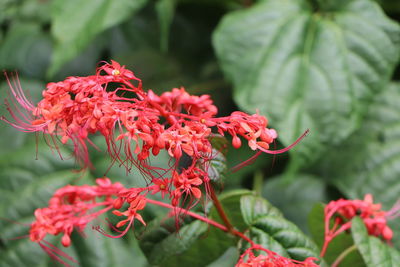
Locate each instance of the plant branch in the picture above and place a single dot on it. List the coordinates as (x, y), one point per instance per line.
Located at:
(220, 210)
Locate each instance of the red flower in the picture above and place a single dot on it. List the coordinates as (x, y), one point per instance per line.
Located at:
(271, 259)
(73, 207)
(343, 210)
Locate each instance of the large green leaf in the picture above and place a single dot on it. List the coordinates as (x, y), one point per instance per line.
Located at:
(374, 252)
(76, 23)
(308, 66)
(369, 161)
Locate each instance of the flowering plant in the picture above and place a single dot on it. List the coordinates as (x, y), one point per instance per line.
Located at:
(134, 122)
(160, 177)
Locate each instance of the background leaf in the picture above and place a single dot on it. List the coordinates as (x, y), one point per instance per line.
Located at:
(295, 199)
(307, 69)
(73, 27)
(370, 159)
(195, 244)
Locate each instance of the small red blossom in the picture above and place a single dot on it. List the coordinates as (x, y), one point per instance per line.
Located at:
(271, 259)
(343, 210)
(131, 213)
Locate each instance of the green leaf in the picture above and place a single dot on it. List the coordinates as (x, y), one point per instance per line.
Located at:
(338, 245)
(76, 23)
(308, 69)
(270, 229)
(369, 160)
(297, 198)
(374, 252)
(165, 11)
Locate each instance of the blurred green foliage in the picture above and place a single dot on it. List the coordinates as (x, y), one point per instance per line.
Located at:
(328, 66)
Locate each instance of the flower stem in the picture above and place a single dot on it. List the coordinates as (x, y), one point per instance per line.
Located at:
(184, 211)
(258, 182)
(220, 210)
(343, 255)
(204, 219)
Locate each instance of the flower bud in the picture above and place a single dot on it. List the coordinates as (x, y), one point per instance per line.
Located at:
(236, 142)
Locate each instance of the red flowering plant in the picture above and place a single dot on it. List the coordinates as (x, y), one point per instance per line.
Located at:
(136, 125)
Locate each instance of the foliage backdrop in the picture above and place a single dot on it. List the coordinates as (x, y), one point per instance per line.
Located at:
(328, 66)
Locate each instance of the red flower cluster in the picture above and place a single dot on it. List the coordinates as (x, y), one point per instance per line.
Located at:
(73, 207)
(271, 259)
(135, 123)
(343, 210)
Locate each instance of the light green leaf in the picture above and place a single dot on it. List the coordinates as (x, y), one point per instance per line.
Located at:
(374, 252)
(165, 11)
(76, 23)
(308, 69)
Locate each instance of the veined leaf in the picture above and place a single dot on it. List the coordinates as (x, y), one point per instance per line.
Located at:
(369, 160)
(308, 69)
(270, 229)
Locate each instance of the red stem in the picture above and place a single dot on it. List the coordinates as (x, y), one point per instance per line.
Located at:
(220, 210)
(201, 218)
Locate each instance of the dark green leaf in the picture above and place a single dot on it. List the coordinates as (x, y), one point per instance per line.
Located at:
(196, 244)
(374, 252)
(308, 69)
(27, 49)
